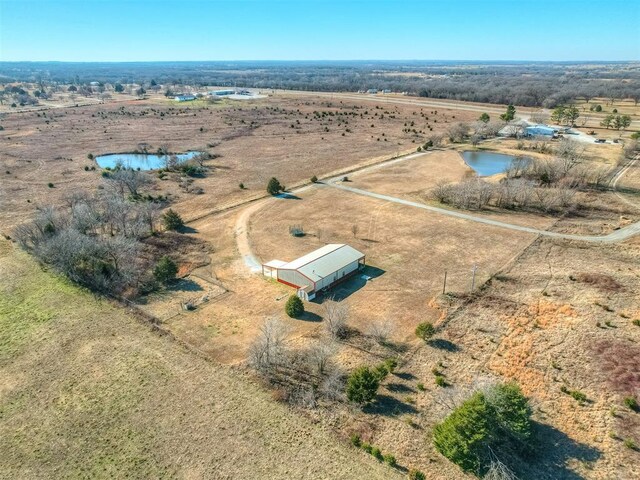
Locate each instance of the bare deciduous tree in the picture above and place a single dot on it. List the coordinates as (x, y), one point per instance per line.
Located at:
(268, 349)
(380, 330)
(333, 386)
(125, 180)
(319, 356)
(335, 318)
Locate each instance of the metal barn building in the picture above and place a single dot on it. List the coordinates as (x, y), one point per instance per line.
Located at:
(318, 270)
(540, 131)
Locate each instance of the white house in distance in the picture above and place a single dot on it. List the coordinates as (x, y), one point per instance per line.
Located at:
(318, 270)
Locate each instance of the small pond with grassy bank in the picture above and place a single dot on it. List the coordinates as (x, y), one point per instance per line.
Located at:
(143, 161)
(486, 163)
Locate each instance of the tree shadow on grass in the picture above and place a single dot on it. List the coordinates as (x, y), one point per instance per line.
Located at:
(553, 453)
(399, 388)
(389, 406)
(185, 285)
(310, 317)
(187, 229)
(442, 344)
(405, 375)
(288, 196)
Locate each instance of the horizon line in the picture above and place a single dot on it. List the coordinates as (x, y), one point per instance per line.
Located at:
(329, 60)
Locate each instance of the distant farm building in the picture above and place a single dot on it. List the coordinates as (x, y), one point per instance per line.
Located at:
(222, 93)
(372, 91)
(540, 131)
(318, 270)
(184, 98)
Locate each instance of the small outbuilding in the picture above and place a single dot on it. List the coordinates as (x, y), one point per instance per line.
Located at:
(184, 98)
(316, 271)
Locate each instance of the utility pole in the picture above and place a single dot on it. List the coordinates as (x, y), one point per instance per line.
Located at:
(444, 284)
(473, 277)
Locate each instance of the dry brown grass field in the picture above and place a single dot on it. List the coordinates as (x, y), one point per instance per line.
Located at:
(87, 391)
(276, 136)
(545, 313)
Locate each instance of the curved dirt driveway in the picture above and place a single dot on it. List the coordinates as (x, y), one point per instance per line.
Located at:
(253, 263)
(616, 236)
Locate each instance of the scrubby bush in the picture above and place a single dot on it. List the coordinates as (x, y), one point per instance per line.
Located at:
(314, 179)
(362, 385)
(631, 403)
(377, 454)
(425, 330)
(416, 475)
(165, 270)
(390, 460)
(381, 371)
(172, 220)
(294, 306)
(274, 187)
(440, 381)
(463, 435)
(355, 440)
(391, 364)
(578, 395)
(485, 423)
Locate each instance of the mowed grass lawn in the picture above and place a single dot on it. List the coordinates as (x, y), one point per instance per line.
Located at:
(87, 391)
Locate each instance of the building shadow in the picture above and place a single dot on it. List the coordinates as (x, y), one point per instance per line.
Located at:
(351, 285)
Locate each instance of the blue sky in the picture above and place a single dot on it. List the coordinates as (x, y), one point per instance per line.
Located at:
(141, 30)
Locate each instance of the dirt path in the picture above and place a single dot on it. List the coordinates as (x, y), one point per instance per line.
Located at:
(617, 178)
(241, 233)
(617, 236)
(254, 264)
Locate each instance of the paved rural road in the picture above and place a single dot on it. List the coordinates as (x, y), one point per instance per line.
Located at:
(616, 236)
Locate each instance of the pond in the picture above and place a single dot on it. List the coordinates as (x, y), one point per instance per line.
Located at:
(141, 161)
(486, 164)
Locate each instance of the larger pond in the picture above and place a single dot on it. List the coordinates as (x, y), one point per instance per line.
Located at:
(488, 163)
(141, 161)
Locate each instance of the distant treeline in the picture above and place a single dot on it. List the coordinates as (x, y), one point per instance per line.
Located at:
(532, 84)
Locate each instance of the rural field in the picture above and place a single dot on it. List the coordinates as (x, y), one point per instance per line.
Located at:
(110, 397)
(166, 353)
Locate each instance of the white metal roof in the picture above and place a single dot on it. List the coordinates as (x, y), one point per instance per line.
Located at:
(324, 261)
(275, 264)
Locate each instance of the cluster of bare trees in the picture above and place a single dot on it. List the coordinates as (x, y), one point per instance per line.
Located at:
(305, 375)
(475, 132)
(545, 185)
(513, 194)
(95, 240)
(302, 375)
